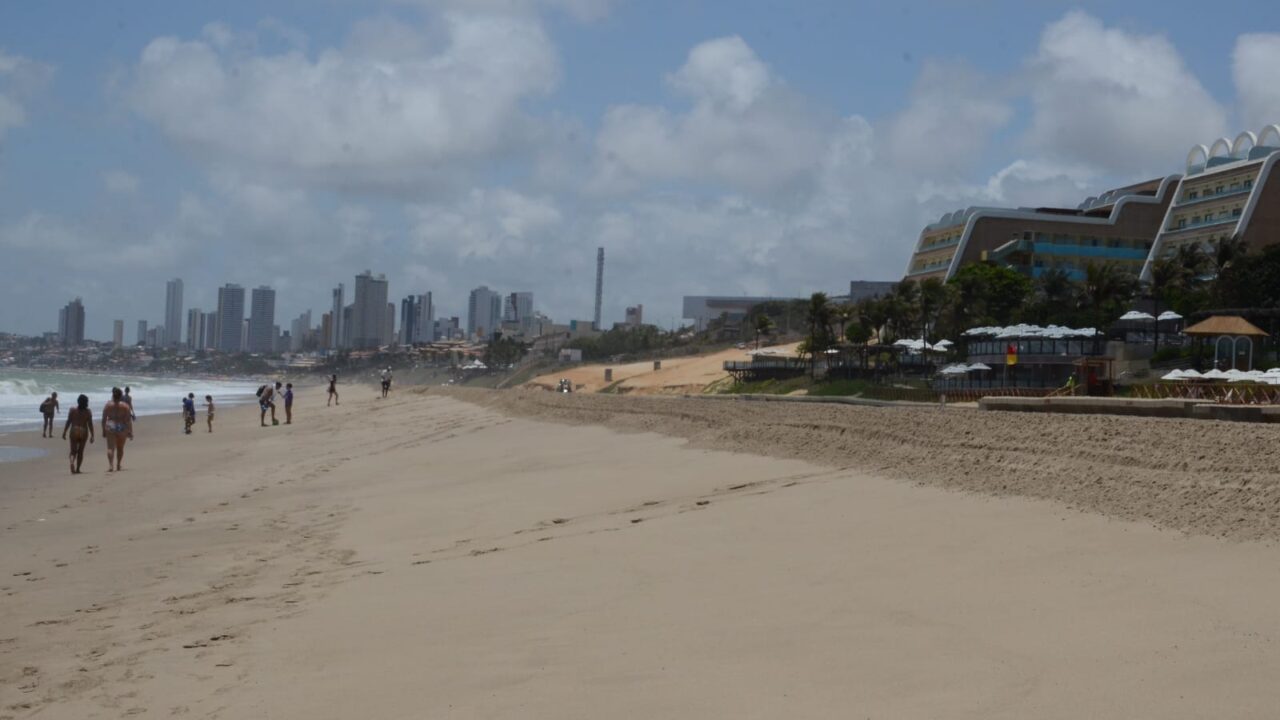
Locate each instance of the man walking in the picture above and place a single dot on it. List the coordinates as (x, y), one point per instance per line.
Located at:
(288, 404)
(48, 409)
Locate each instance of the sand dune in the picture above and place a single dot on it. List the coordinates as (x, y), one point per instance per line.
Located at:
(676, 376)
(460, 556)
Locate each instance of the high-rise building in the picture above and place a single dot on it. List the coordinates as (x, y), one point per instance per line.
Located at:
(635, 316)
(369, 312)
(417, 318)
(71, 323)
(173, 312)
(408, 313)
(153, 337)
(244, 335)
(326, 330)
(142, 332)
(117, 333)
(298, 331)
(230, 318)
(518, 308)
(195, 329)
(599, 285)
(262, 320)
(425, 320)
(484, 312)
(336, 336)
(210, 340)
(348, 312)
(389, 325)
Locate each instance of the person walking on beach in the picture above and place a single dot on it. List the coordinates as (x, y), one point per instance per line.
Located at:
(386, 382)
(188, 412)
(333, 391)
(48, 409)
(208, 403)
(117, 427)
(80, 423)
(288, 404)
(128, 400)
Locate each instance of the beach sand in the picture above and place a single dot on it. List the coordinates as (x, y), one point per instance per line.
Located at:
(527, 554)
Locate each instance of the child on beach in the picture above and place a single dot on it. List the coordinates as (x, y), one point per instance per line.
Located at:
(288, 404)
(208, 403)
(188, 412)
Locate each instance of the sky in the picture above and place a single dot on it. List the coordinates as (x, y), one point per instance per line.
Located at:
(744, 147)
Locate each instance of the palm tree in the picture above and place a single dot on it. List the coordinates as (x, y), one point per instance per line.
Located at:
(1166, 274)
(842, 314)
(933, 294)
(764, 325)
(1106, 285)
(818, 318)
(1224, 252)
(1055, 291)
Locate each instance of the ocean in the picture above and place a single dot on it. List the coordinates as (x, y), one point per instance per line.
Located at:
(22, 391)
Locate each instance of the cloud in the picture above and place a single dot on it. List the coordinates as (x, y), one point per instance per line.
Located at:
(744, 129)
(120, 182)
(1254, 64)
(1121, 102)
(952, 113)
(20, 78)
(364, 116)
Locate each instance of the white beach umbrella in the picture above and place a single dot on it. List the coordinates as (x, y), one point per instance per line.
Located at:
(1169, 315)
(1137, 315)
(1191, 373)
(1174, 375)
(954, 370)
(1215, 374)
(1273, 371)
(979, 366)
(943, 344)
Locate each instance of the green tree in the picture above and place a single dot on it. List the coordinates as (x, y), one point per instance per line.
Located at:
(1107, 288)
(818, 320)
(763, 326)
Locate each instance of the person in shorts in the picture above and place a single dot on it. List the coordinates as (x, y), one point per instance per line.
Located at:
(288, 404)
(48, 409)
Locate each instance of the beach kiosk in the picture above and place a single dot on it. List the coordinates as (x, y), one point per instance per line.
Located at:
(1233, 340)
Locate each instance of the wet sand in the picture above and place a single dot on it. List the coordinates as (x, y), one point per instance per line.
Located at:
(523, 554)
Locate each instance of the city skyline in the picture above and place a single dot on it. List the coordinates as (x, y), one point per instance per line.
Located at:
(713, 149)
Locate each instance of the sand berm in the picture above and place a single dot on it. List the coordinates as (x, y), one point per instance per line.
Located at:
(1213, 478)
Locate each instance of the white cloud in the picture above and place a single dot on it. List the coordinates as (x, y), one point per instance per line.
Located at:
(366, 115)
(121, 182)
(1254, 64)
(1118, 101)
(745, 128)
(951, 116)
(20, 77)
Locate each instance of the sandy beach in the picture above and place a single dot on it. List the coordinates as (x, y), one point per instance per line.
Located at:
(477, 554)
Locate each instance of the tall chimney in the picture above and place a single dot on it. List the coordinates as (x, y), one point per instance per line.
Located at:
(599, 285)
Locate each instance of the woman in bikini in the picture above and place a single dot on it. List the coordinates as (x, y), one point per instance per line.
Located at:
(333, 390)
(208, 402)
(117, 427)
(80, 423)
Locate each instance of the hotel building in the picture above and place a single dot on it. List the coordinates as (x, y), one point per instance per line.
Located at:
(1116, 226)
(1225, 193)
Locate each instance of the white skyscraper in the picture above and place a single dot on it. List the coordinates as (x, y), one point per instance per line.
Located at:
(337, 329)
(298, 330)
(117, 333)
(484, 312)
(173, 312)
(195, 329)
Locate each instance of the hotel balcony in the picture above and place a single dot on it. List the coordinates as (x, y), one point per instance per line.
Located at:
(1213, 196)
(1202, 224)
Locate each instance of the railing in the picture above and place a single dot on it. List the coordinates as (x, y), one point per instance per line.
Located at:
(1202, 224)
(1228, 394)
(1203, 198)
